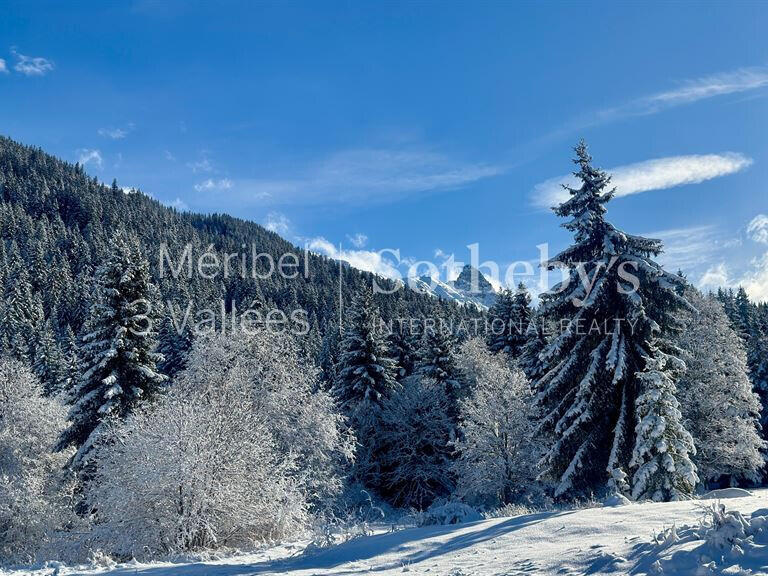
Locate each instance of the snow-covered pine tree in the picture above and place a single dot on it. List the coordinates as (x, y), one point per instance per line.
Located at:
(21, 314)
(718, 404)
(436, 361)
(366, 379)
(118, 349)
(174, 345)
(498, 319)
(366, 373)
(536, 342)
(509, 320)
(606, 396)
(69, 368)
(47, 359)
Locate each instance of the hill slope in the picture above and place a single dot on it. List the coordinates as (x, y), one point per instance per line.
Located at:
(56, 224)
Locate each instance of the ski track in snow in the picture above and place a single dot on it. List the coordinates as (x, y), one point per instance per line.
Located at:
(615, 540)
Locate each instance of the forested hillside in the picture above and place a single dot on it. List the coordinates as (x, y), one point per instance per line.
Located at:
(58, 224)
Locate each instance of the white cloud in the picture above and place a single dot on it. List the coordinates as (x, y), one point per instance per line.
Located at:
(179, 204)
(365, 175)
(277, 222)
(169, 156)
(657, 174)
(367, 260)
(715, 277)
(358, 240)
(202, 165)
(755, 282)
(735, 81)
(687, 92)
(90, 156)
(31, 66)
(116, 133)
(3, 67)
(211, 184)
(686, 248)
(757, 229)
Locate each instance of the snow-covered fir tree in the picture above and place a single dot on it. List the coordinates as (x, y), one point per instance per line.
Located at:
(509, 322)
(118, 349)
(174, 344)
(69, 367)
(20, 307)
(47, 363)
(719, 406)
(436, 361)
(535, 343)
(366, 378)
(495, 463)
(607, 393)
(661, 460)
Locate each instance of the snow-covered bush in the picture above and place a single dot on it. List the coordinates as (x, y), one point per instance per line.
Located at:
(35, 489)
(234, 454)
(725, 531)
(302, 417)
(415, 461)
(495, 463)
(446, 513)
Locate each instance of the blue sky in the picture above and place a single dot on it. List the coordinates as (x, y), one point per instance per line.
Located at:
(423, 127)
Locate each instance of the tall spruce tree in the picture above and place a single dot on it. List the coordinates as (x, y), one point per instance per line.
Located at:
(607, 394)
(510, 319)
(118, 348)
(366, 378)
(437, 363)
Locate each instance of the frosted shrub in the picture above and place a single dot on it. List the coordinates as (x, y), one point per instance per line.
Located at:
(233, 454)
(495, 463)
(35, 491)
(445, 513)
(727, 532)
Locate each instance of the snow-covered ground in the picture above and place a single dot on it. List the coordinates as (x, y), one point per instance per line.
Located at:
(610, 540)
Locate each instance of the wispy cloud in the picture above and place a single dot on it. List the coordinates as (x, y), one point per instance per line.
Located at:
(203, 164)
(211, 184)
(3, 67)
(657, 174)
(31, 66)
(687, 248)
(277, 222)
(735, 81)
(90, 156)
(740, 80)
(757, 229)
(116, 133)
(359, 175)
(367, 260)
(358, 240)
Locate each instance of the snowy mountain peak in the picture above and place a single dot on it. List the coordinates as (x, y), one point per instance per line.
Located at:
(471, 287)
